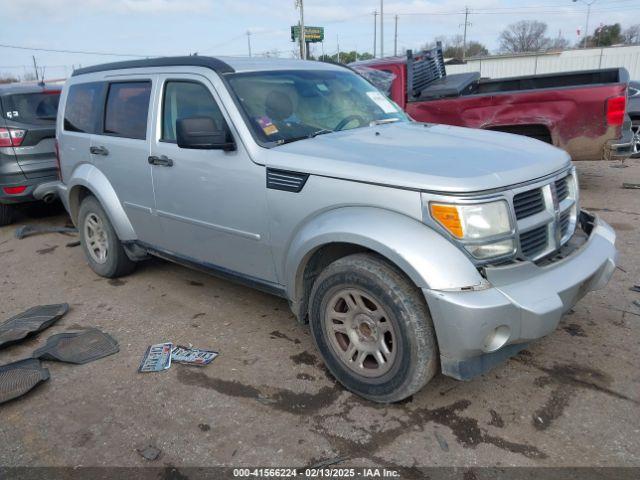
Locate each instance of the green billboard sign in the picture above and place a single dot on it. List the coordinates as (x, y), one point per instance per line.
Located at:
(311, 34)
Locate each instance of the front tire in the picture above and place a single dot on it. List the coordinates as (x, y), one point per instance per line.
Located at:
(102, 247)
(373, 328)
(6, 214)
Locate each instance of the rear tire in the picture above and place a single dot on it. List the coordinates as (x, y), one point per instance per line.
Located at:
(373, 328)
(6, 214)
(102, 247)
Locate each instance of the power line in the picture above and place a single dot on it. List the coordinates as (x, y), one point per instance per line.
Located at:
(83, 52)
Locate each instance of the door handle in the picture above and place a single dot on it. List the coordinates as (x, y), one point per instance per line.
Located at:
(99, 150)
(161, 161)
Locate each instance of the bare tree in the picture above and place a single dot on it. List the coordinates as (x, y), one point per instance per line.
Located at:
(8, 78)
(524, 36)
(632, 34)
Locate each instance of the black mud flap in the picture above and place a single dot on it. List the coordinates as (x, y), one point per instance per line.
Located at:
(78, 347)
(32, 321)
(20, 377)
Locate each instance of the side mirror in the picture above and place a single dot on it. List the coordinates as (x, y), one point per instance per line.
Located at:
(202, 133)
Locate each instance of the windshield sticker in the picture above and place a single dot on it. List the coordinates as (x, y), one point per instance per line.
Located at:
(322, 87)
(267, 126)
(383, 102)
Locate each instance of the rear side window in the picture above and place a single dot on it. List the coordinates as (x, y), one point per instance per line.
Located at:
(81, 108)
(127, 109)
(38, 108)
(183, 100)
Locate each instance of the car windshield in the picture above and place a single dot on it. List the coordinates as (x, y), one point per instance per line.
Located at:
(38, 108)
(284, 106)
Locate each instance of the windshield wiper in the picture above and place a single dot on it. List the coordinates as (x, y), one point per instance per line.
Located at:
(382, 121)
(322, 131)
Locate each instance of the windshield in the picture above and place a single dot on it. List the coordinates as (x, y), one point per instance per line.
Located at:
(284, 106)
(38, 108)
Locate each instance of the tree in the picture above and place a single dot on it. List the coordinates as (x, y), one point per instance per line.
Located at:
(524, 36)
(8, 78)
(345, 57)
(558, 43)
(632, 34)
(452, 47)
(604, 36)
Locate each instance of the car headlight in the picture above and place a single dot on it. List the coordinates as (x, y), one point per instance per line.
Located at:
(473, 223)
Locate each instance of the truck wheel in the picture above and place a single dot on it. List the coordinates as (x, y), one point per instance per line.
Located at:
(373, 328)
(101, 245)
(6, 214)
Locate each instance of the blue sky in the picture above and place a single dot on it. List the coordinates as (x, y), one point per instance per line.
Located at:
(175, 27)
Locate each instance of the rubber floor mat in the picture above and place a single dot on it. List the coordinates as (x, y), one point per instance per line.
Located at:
(33, 320)
(78, 347)
(18, 378)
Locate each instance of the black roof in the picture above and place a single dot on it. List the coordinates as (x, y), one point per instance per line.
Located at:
(191, 61)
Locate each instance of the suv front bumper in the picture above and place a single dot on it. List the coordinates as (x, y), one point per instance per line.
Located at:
(477, 329)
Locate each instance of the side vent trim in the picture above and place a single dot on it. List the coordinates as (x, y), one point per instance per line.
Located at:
(286, 180)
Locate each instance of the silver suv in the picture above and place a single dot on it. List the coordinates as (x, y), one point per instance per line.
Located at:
(409, 248)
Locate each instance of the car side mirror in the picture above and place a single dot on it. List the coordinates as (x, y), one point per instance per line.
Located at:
(202, 133)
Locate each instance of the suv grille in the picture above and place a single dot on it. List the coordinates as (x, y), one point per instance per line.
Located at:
(545, 217)
(534, 241)
(528, 203)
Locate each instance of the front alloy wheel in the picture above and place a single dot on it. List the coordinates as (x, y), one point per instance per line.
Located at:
(360, 332)
(96, 238)
(372, 327)
(635, 127)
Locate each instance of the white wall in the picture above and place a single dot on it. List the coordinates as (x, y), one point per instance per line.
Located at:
(569, 60)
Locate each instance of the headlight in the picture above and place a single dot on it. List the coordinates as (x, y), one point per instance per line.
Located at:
(472, 223)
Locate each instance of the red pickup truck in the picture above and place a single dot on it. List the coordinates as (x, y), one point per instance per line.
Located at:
(581, 112)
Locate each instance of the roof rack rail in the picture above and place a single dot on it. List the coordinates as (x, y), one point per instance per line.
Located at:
(212, 63)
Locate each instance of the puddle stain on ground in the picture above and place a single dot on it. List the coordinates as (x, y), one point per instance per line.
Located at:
(566, 379)
(116, 282)
(574, 330)
(305, 376)
(284, 400)
(277, 334)
(304, 358)
(46, 251)
(194, 283)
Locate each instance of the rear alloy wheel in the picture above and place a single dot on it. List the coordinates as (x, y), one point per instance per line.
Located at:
(6, 214)
(635, 127)
(101, 245)
(372, 327)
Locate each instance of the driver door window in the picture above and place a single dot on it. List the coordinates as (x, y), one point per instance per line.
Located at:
(183, 99)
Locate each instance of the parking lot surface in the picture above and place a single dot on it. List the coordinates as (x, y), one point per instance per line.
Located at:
(571, 399)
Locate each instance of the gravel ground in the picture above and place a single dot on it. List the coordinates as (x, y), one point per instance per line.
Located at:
(571, 399)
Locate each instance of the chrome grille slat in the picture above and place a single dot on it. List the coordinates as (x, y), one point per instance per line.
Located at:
(534, 241)
(528, 203)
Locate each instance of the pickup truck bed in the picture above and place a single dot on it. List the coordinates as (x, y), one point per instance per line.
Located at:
(581, 112)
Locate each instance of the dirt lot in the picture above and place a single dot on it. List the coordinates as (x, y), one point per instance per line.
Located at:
(571, 399)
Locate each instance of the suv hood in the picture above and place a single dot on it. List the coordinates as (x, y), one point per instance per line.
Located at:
(420, 156)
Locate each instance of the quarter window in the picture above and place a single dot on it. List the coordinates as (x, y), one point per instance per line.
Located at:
(82, 105)
(127, 109)
(187, 99)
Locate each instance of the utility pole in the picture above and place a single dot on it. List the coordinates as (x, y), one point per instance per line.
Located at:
(35, 66)
(249, 41)
(381, 28)
(395, 39)
(464, 37)
(303, 50)
(586, 28)
(375, 27)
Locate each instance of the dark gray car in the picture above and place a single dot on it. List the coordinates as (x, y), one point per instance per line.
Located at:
(634, 113)
(27, 143)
